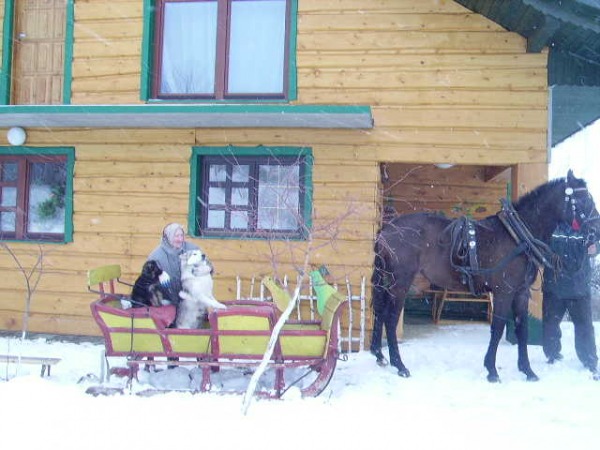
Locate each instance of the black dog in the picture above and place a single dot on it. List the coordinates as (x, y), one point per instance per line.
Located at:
(147, 290)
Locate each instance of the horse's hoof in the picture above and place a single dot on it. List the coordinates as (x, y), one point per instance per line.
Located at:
(532, 377)
(404, 373)
(596, 376)
(493, 378)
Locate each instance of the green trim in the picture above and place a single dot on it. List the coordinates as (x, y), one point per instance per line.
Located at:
(69, 152)
(147, 46)
(68, 55)
(292, 60)
(7, 33)
(196, 182)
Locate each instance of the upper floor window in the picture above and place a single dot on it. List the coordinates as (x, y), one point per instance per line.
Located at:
(221, 49)
(263, 195)
(35, 196)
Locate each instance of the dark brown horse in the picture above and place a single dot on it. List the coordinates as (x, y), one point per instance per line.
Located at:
(499, 254)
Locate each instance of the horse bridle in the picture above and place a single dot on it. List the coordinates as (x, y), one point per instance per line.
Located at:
(579, 216)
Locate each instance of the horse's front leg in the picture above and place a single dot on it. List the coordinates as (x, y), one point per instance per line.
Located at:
(522, 333)
(391, 325)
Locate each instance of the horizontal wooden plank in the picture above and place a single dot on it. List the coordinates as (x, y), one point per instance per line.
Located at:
(115, 222)
(452, 155)
(57, 136)
(133, 185)
(133, 153)
(397, 20)
(132, 203)
(362, 78)
(345, 174)
(141, 169)
(107, 48)
(463, 42)
(422, 6)
(99, 67)
(359, 144)
(439, 97)
(50, 323)
(347, 59)
(442, 193)
(345, 192)
(106, 98)
(115, 82)
(460, 118)
(91, 10)
(69, 301)
(113, 28)
(477, 210)
(431, 176)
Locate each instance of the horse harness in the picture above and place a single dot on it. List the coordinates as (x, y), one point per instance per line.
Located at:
(464, 242)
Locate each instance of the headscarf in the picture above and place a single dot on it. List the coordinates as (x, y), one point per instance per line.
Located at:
(169, 232)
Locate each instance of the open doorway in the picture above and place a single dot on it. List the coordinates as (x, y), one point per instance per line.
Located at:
(450, 190)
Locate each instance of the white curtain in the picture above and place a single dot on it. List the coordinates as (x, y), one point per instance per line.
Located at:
(189, 48)
(256, 54)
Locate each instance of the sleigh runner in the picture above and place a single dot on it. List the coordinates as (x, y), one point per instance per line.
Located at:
(236, 337)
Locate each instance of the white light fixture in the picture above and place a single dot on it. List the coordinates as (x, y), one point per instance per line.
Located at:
(16, 136)
(444, 165)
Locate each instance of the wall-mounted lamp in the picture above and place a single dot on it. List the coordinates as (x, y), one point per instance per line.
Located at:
(16, 136)
(443, 165)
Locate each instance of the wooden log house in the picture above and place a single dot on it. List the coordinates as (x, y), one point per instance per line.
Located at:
(369, 95)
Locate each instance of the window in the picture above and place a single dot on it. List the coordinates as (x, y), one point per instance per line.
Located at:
(221, 49)
(253, 193)
(35, 196)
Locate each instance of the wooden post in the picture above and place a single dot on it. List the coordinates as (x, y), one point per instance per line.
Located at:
(524, 178)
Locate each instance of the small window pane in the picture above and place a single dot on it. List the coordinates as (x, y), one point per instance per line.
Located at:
(276, 219)
(9, 172)
(239, 220)
(46, 198)
(189, 48)
(9, 196)
(218, 173)
(268, 174)
(216, 196)
(239, 196)
(8, 221)
(287, 220)
(240, 174)
(257, 47)
(216, 219)
(267, 218)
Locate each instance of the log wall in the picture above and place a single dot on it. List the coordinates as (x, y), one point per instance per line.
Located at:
(444, 85)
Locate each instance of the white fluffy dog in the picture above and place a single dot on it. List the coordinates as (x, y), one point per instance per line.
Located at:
(197, 290)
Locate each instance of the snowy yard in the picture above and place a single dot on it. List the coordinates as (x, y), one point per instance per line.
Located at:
(447, 403)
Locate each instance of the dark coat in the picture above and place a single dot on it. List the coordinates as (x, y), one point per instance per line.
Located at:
(574, 271)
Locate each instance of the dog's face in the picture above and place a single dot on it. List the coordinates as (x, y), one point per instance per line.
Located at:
(151, 270)
(194, 258)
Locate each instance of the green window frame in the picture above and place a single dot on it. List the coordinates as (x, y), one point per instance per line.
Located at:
(233, 61)
(36, 194)
(251, 192)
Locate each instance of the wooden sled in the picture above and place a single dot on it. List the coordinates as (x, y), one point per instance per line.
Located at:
(234, 337)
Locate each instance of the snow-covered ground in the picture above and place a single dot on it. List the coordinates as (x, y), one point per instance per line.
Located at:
(447, 403)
